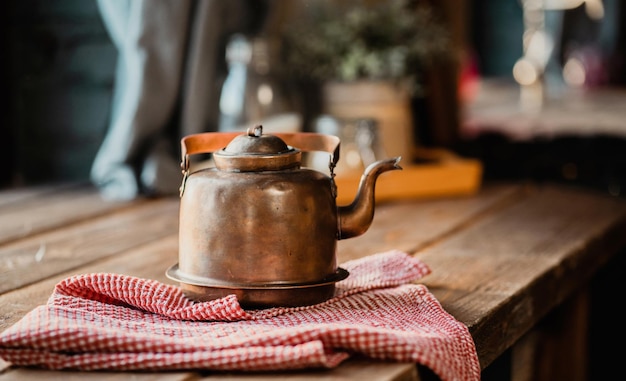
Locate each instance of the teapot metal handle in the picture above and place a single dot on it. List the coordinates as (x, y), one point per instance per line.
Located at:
(209, 142)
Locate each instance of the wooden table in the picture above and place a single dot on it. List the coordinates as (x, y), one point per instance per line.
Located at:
(503, 261)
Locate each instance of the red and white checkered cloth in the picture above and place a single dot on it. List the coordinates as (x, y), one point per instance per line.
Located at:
(118, 322)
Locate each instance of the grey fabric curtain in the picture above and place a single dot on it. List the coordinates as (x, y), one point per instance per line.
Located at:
(167, 85)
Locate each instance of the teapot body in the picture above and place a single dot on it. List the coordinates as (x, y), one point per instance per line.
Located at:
(250, 228)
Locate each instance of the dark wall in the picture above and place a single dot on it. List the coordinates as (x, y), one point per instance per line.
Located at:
(58, 69)
(496, 29)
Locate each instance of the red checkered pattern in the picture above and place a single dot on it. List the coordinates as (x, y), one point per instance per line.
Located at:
(117, 322)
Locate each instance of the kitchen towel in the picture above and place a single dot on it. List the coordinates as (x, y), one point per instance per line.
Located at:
(117, 322)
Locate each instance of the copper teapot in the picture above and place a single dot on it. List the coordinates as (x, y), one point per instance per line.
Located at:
(259, 225)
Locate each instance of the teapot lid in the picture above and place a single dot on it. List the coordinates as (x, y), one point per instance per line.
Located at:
(254, 151)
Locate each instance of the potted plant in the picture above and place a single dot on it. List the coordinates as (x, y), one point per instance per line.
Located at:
(369, 59)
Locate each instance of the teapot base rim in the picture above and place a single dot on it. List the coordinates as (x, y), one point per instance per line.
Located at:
(258, 295)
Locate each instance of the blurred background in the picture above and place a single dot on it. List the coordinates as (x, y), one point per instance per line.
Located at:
(533, 89)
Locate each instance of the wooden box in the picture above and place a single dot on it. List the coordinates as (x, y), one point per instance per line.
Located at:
(434, 172)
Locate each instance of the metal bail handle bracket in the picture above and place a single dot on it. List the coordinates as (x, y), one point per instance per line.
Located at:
(315, 142)
(209, 142)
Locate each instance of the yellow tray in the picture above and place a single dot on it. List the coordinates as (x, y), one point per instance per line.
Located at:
(434, 172)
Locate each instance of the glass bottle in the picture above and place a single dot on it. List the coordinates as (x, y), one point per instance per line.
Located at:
(252, 92)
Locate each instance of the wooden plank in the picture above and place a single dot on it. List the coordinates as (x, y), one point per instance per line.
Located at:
(352, 369)
(24, 213)
(9, 196)
(556, 349)
(148, 260)
(412, 225)
(48, 375)
(43, 255)
(502, 274)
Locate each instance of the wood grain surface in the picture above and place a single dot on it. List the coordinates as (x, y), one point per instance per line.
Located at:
(501, 260)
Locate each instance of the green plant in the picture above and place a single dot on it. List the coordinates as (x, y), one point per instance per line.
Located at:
(391, 40)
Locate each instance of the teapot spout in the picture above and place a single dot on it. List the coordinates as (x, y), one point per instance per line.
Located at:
(356, 218)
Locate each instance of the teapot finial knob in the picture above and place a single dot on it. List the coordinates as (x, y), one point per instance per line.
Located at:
(255, 131)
